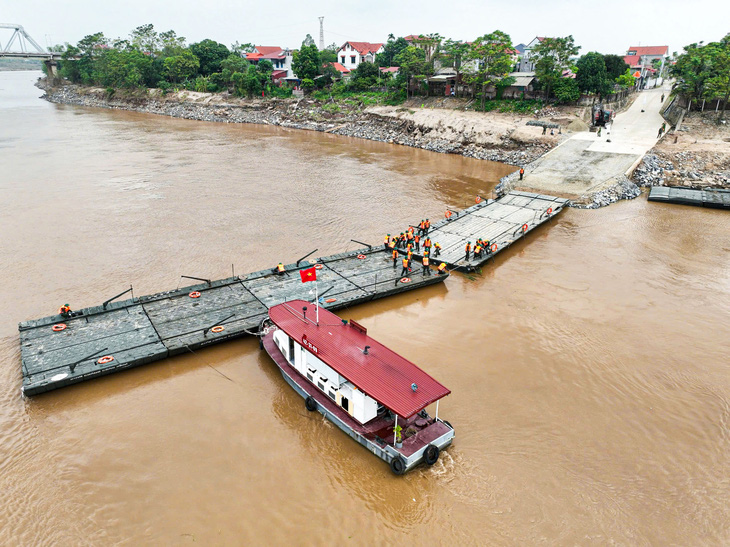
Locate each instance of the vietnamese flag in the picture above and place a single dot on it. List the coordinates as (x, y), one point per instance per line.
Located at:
(310, 274)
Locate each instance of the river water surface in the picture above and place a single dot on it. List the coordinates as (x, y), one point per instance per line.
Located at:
(588, 365)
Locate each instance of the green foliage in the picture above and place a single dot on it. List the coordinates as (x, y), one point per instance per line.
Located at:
(392, 49)
(248, 83)
(492, 55)
(307, 84)
(145, 39)
(453, 54)
(181, 67)
(234, 63)
(306, 63)
(115, 68)
(211, 54)
(592, 76)
(282, 92)
(412, 62)
(327, 56)
(626, 80)
(703, 72)
(364, 76)
(566, 90)
(615, 66)
(551, 56)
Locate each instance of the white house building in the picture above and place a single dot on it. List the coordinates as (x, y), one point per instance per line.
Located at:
(351, 54)
(281, 58)
(526, 64)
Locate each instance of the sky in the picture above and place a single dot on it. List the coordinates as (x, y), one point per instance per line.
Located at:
(606, 27)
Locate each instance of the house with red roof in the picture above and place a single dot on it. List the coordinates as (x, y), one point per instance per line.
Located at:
(526, 64)
(281, 59)
(641, 60)
(351, 54)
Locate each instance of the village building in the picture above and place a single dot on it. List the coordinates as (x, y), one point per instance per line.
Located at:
(641, 60)
(281, 59)
(526, 63)
(351, 54)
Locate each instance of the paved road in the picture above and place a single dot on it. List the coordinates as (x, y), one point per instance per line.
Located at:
(586, 163)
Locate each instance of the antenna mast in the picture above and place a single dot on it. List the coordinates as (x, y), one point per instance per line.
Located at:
(321, 33)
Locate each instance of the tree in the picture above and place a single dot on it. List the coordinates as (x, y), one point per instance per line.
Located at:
(308, 41)
(265, 69)
(551, 56)
(365, 75)
(171, 43)
(181, 67)
(242, 49)
(251, 82)
(615, 66)
(391, 50)
(719, 84)
(493, 55)
(566, 90)
(115, 68)
(411, 61)
(626, 80)
(211, 54)
(234, 63)
(429, 43)
(145, 39)
(454, 55)
(306, 62)
(592, 76)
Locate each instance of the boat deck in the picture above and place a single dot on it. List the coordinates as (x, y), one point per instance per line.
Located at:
(500, 221)
(379, 430)
(141, 330)
(716, 199)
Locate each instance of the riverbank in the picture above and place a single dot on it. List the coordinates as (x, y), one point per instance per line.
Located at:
(697, 156)
(435, 124)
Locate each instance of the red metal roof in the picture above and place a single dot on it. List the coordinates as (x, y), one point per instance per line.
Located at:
(364, 47)
(650, 50)
(277, 74)
(265, 50)
(340, 68)
(382, 374)
(632, 60)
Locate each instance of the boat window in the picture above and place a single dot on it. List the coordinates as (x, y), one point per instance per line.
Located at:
(291, 350)
(332, 395)
(345, 404)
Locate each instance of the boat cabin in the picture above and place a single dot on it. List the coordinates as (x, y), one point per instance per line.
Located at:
(359, 374)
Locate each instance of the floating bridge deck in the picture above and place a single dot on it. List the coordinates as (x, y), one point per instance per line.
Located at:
(716, 199)
(141, 330)
(501, 222)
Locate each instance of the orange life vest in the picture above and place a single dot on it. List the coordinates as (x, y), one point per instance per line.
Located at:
(395, 253)
(442, 267)
(280, 267)
(405, 262)
(425, 260)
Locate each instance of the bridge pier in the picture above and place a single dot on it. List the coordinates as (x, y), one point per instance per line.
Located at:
(51, 70)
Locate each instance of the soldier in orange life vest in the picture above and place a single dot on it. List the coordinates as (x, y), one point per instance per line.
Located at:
(391, 245)
(442, 268)
(522, 172)
(438, 249)
(386, 241)
(395, 258)
(409, 237)
(409, 254)
(426, 269)
(406, 265)
(477, 250)
(417, 240)
(468, 250)
(427, 244)
(426, 226)
(421, 227)
(64, 310)
(402, 240)
(279, 269)
(487, 248)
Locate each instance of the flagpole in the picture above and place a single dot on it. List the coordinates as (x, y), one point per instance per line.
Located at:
(316, 297)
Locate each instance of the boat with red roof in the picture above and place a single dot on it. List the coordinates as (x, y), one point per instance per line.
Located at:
(370, 392)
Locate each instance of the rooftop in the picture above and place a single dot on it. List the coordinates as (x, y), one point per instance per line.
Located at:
(381, 373)
(650, 50)
(364, 47)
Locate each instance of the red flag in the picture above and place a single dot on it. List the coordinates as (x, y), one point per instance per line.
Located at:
(310, 274)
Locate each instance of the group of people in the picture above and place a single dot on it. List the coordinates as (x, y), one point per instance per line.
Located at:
(481, 248)
(413, 239)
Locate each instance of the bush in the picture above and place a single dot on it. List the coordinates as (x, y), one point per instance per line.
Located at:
(283, 92)
(307, 84)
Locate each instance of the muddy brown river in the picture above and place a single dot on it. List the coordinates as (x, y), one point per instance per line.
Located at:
(589, 364)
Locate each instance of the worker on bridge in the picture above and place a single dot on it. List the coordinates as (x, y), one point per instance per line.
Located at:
(406, 267)
(395, 258)
(437, 249)
(279, 270)
(427, 226)
(442, 268)
(468, 250)
(386, 242)
(426, 269)
(65, 310)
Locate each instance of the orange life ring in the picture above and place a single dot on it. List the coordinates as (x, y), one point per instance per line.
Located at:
(448, 214)
(361, 257)
(217, 328)
(104, 360)
(330, 300)
(478, 200)
(550, 210)
(525, 227)
(405, 280)
(493, 247)
(58, 327)
(194, 294)
(318, 266)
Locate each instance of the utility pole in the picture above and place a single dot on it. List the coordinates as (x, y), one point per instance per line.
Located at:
(321, 33)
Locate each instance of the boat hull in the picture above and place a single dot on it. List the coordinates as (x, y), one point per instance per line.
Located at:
(384, 451)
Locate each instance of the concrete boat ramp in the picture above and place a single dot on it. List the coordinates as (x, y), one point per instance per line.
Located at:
(117, 335)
